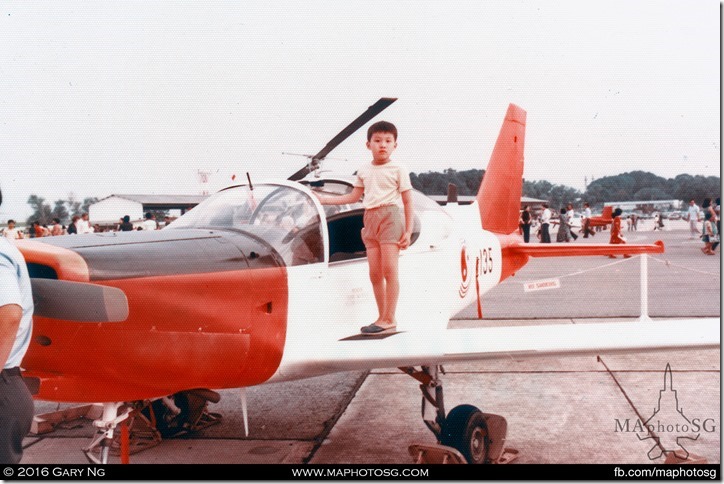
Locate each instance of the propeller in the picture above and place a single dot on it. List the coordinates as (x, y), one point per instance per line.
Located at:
(78, 301)
(371, 112)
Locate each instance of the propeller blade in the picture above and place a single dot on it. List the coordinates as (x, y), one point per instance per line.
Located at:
(78, 301)
(371, 112)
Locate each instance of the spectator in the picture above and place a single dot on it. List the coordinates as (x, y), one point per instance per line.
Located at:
(708, 236)
(126, 225)
(525, 223)
(12, 232)
(693, 215)
(150, 222)
(569, 218)
(616, 234)
(73, 227)
(56, 229)
(564, 229)
(83, 225)
(545, 220)
(37, 230)
(586, 222)
(16, 327)
(717, 224)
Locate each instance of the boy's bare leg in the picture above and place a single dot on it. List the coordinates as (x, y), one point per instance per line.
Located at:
(374, 258)
(389, 263)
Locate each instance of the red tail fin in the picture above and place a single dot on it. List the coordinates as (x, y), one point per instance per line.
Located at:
(607, 212)
(499, 194)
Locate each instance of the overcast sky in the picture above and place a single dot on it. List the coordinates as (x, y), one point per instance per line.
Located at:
(111, 97)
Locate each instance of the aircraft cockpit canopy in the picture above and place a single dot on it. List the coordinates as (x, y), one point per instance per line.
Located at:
(286, 217)
(283, 216)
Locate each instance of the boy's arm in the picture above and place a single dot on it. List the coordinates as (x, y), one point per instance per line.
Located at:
(351, 197)
(409, 219)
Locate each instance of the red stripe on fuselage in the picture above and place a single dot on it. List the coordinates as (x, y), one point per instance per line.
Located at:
(212, 330)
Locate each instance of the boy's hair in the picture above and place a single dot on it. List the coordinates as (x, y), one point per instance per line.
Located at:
(382, 127)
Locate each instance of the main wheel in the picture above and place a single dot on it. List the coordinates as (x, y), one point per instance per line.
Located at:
(466, 431)
(167, 423)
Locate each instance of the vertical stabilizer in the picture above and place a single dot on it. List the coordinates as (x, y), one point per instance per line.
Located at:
(500, 192)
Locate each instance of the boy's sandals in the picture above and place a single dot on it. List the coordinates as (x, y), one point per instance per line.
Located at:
(375, 328)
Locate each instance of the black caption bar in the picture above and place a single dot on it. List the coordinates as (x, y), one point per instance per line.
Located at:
(257, 472)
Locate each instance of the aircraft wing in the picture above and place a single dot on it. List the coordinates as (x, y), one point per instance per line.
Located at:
(585, 338)
(414, 348)
(564, 249)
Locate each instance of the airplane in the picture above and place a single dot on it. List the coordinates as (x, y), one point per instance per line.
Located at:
(260, 283)
(603, 220)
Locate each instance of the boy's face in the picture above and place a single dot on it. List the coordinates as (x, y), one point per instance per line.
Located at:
(381, 145)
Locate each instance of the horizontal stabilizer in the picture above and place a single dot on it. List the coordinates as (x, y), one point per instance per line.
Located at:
(78, 301)
(564, 249)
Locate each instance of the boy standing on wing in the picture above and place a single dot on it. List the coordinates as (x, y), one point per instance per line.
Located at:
(387, 192)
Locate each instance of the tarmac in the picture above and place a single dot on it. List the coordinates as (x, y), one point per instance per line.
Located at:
(572, 410)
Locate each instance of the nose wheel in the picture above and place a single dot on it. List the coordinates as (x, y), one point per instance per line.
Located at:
(465, 429)
(478, 436)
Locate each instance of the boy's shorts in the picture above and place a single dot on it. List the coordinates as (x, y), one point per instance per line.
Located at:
(382, 225)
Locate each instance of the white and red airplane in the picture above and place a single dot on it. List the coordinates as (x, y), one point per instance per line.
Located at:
(260, 283)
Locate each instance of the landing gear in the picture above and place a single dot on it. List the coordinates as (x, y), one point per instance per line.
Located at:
(465, 430)
(182, 412)
(99, 449)
(149, 421)
(478, 436)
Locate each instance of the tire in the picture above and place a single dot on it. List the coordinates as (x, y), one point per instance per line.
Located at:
(466, 431)
(168, 424)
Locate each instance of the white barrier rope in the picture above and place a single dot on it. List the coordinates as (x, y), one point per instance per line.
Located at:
(665, 262)
(578, 273)
(669, 264)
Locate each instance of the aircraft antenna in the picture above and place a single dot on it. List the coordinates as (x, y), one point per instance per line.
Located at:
(251, 187)
(312, 156)
(244, 410)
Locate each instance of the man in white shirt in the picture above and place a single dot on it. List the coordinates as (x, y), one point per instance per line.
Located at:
(12, 232)
(150, 222)
(16, 323)
(545, 220)
(570, 214)
(693, 215)
(83, 225)
(586, 222)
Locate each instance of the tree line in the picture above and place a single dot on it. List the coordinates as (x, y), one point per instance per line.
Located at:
(64, 210)
(631, 186)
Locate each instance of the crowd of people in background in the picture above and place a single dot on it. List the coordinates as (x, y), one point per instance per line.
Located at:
(704, 223)
(79, 224)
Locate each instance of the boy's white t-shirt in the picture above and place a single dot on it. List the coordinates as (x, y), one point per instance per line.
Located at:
(383, 184)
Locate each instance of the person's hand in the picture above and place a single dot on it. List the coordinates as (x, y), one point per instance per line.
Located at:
(405, 240)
